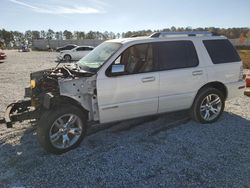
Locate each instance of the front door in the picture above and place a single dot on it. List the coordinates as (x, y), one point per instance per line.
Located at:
(134, 92)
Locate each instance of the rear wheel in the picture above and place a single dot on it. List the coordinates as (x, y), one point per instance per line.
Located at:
(61, 129)
(208, 105)
(67, 58)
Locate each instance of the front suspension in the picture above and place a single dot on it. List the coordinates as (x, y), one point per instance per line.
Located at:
(18, 112)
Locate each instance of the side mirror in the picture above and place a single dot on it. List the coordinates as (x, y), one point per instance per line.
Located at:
(116, 69)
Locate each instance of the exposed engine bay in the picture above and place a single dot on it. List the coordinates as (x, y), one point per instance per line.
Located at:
(51, 87)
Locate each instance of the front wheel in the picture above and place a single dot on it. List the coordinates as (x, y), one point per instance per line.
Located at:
(61, 129)
(208, 105)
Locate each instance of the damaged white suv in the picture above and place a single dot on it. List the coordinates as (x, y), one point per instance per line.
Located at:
(128, 78)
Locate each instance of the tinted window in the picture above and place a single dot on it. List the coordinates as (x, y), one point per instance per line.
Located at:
(81, 49)
(69, 47)
(221, 51)
(89, 48)
(137, 59)
(177, 54)
(84, 49)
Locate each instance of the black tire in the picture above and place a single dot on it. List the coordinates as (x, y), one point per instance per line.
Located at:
(47, 124)
(198, 106)
(67, 58)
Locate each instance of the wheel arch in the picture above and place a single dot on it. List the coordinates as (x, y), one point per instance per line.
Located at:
(67, 55)
(217, 85)
(59, 100)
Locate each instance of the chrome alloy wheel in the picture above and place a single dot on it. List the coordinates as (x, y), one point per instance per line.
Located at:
(210, 107)
(65, 131)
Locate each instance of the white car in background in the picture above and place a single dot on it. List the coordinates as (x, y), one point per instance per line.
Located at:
(75, 54)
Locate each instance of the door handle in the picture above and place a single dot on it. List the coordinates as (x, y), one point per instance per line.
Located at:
(148, 79)
(197, 73)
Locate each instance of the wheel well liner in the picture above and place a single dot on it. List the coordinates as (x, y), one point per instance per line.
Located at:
(67, 55)
(67, 100)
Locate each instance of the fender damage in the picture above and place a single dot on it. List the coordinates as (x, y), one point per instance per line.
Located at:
(53, 85)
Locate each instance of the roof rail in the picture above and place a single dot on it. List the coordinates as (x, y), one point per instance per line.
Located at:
(181, 34)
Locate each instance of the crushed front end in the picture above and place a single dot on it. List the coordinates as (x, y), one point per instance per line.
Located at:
(44, 85)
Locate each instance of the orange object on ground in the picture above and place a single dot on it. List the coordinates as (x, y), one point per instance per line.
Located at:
(248, 79)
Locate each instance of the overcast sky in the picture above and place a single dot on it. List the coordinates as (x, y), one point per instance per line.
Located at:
(121, 15)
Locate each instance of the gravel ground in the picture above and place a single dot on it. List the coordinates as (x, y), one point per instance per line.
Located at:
(162, 151)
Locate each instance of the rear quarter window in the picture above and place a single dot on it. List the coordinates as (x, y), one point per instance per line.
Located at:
(221, 51)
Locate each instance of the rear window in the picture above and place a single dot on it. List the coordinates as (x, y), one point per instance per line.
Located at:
(221, 51)
(177, 54)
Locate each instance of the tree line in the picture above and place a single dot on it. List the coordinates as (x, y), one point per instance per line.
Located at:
(16, 38)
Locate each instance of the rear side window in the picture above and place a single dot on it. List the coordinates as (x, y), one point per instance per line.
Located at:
(221, 51)
(89, 48)
(177, 54)
(82, 49)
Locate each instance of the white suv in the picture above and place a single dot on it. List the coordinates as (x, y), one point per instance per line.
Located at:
(133, 77)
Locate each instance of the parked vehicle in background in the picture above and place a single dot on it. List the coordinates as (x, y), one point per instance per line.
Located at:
(75, 54)
(3, 56)
(24, 48)
(128, 78)
(66, 47)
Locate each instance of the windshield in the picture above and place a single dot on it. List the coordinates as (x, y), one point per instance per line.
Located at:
(96, 58)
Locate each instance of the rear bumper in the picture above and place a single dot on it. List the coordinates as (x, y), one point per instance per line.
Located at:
(235, 89)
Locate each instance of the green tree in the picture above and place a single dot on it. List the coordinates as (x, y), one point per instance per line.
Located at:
(173, 29)
(90, 35)
(118, 35)
(6, 37)
(28, 36)
(82, 35)
(67, 34)
(43, 34)
(18, 38)
(35, 34)
(50, 34)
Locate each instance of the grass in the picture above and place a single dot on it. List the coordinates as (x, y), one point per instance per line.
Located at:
(245, 56)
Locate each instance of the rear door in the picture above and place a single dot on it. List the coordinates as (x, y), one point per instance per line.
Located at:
(79, 52)
(181, 75)
(133, 93)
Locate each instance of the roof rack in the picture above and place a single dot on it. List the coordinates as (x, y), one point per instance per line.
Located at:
(182, 34)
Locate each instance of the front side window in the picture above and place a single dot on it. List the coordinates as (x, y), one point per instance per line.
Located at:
(137, 59)
(177, 54)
